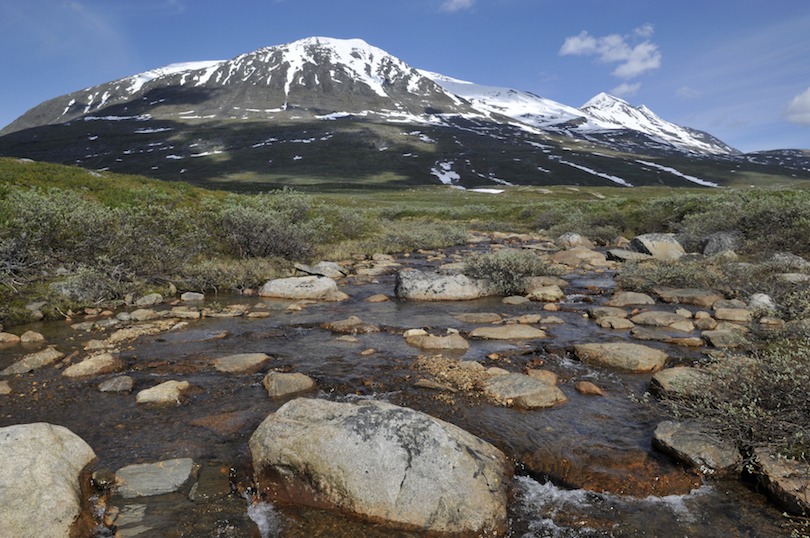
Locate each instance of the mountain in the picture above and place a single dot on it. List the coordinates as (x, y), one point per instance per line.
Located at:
(333, 113)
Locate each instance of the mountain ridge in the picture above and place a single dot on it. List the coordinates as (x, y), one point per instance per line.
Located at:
(346, 97)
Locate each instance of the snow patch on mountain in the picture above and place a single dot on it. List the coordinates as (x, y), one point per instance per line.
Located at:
(675, 172)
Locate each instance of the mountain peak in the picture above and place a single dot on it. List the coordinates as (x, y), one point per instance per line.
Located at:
(603, 100)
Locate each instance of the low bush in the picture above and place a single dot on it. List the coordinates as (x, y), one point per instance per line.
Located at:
(508, 270)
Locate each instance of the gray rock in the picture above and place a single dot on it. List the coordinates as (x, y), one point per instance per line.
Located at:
(149, 300)
(387, 463)
(448, 342)
(690, 296)
(688, 442)
(122, 383)
(761, 302)
(192, 296)
(790, 261)
(428, 286)
(722, 241)
(317, 288)
(624, 255)
(34, 361)
(724, 338)
(102, 363)
(168, 392)
(40, 468)
(628, 298)
(660, 246)
(282, 385)
(634, 358)
(523, 391)
(508, 332)
(573, 239)
(678, 380)
(327, 269)
(785, 480)
(147, 479)
(241, 362)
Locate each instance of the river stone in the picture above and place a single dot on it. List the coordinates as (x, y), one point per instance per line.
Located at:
(327, 269)
(741, 315)
(318, 288)
(165, 393)
(658, 318)
(5, 388)
(417, 285)
(40, 473)
(479, 317)
(508, 332)
(386, 463)
(628, 298)
(31, 337)
(542, 281)
(8, 338)
(34, 361)
(634, 358)
(785, 480)
(688, 442)
(614, 322)
(449, 342)
(587, 388)
(350, 325)
(607, 311)
(573, 239)
(282, 385)
(724, 338)
(761, 302)
(690, 296)
(147, 479)
(678, 380)
(523, 391)
(578, 256)
(192, 297)
(149, 300)
(103, 363)
(659, 246)
(144, 314)
(548, 294)
(121, 383)
(515, 300)
(240, 363)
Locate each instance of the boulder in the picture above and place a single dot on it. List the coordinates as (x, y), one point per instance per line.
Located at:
(635, 358)
(103, 363)
(678, 380)
(721, 242)
(241, 362)
(690, 296)
(428, 286)
(659, 318)
(624, 255)
(449, 342)
(350, 325)
(147, 479)
(149, 300)
(523, 391)
(688, 442)
(508, 332)
(628, 298)
(168, 392)
(785, 480)
(317, 288)
(573, 239)
(385, 463)
(282, 385)
(548, 294)
(40, 469)
(739, 315)
(327, 269)
(34, 361)
(761, 302)
(9, 338)
(31, 337)
(579, 256)
(659, 246)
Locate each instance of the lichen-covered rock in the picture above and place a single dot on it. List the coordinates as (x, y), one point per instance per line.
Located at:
(427, 286)
(688, 442)
(317, 288)
(386, 463)
(659, 246)
(40, 468)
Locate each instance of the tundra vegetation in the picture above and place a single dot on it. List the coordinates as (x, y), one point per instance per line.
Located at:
(71, 238)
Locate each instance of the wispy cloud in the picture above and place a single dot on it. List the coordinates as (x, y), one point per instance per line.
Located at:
(626, 89)
(452, 6)
(685, 92)
(798, 111)
(633, 59)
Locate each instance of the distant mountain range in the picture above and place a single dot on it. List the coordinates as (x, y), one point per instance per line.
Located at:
(333, 113)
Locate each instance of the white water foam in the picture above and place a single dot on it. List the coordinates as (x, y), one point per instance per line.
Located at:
(266, 518)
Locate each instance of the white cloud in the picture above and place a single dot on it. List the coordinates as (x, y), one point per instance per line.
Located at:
(685, 92)
(798, 111)
(456, 5)
(626, 89)
(633, 60)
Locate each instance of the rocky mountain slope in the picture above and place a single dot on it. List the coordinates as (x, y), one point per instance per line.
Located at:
(330, 112)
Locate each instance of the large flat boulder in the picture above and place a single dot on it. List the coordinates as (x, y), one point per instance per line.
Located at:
(691, 444)
(690, 296)
(417, 285)
(316, 288)
(40, 491)
(785, 480)
(147, 479)
(34, 361)
(386, 463)
(523, 391)
(659, 246)
(635, 358)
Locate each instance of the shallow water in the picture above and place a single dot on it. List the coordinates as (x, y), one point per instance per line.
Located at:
(221, 412)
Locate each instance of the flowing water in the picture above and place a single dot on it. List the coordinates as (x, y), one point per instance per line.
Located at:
(602, 443)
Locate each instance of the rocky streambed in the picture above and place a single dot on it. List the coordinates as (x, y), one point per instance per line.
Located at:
(379, 397)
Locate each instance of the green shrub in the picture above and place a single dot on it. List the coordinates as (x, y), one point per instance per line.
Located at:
(221, 274)
(405, 236)
(757, 401)
(508, 270)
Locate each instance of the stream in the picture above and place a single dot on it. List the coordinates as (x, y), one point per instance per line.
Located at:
(583, 468)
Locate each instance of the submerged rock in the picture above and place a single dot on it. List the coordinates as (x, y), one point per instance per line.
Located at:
(34, 361)
(523, 391)
(40, 470)
(385, 463)
(147, 479)
(448, 342)
(241, 362)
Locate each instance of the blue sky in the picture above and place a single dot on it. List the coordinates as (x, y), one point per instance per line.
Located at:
(739, 69)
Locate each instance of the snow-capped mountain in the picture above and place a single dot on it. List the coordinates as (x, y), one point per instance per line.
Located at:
(341, 110)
